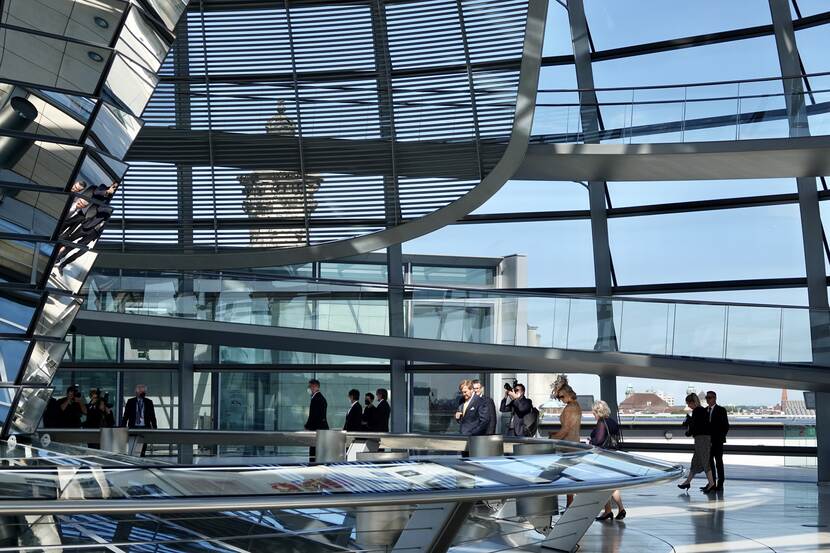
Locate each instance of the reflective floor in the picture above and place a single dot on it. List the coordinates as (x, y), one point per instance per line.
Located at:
(749, 516)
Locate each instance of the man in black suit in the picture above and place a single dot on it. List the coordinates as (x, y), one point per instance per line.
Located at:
(317, 408)
(369, 413)
(472, 413)
(478, 389)
(718, 428)
(383, 412)
(139, 412)
(316, 413)
(354, 416)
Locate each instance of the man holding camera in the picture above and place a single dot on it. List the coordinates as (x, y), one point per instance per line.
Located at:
(71, 407)
(515, 402)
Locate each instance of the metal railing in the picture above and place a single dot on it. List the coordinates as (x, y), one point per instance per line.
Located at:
(710, 111)
(715, 330)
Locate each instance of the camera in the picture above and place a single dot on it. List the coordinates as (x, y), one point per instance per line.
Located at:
(509, 387)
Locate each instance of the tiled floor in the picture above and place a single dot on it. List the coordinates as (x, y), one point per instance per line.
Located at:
(749, 516)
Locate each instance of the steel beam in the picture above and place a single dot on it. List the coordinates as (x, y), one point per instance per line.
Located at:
(811, 227)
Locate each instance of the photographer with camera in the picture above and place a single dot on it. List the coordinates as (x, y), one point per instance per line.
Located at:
(521, 407)
(72, 407)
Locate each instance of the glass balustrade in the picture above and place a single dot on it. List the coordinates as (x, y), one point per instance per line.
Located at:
(740, 332)
(684, 113)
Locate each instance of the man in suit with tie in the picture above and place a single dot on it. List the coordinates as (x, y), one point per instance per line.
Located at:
(478, 389)
(316, 413)
(471, 415)
(354, 416)
(718, 428)
(139, 412)
(383, 412)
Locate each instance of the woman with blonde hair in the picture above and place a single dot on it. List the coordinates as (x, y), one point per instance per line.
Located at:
(606, 435)
(698, 426)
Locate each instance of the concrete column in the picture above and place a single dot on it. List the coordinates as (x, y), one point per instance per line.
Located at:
(811, 228)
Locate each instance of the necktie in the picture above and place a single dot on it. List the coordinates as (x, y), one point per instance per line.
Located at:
(710, 414)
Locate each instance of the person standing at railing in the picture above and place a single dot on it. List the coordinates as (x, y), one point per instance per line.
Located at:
(478, 389)
(697, 424)
(354, 416)
(718, 428)
(383, 412)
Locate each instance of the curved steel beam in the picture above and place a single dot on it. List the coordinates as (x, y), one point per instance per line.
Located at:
(501, 173)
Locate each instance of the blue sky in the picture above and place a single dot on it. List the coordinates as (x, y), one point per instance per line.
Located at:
(760, 242)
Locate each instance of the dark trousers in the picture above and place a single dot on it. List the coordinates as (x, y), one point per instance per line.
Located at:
(716, 462)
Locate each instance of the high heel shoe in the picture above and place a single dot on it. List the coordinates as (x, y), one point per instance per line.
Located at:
(708, 489)
(605, 516)
(621, 515)
(685, 486)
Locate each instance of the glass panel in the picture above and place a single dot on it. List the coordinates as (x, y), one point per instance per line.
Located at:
(43, 114)
(44, 362)
(37, 162)
(628, 22)
(30, 409)
(168, 11)
(115, 130)
(95, 348)
(519, 196)
(7, 395)
(453, 276)
(363, 272)
(162, 389)
(30, 212)
(202, 401)
(140, 42)
(754, 243)
(12, 353)
(625, 194)
(23, 262)
(137, 349)
(753, 333)
(87, 20)
(275, 401)
(752, 58)
(16, 311)
(57, 316)
(49, 61)
(130, 85)
(699, 330)
(435, 399)
(88, 383)
(552, 253)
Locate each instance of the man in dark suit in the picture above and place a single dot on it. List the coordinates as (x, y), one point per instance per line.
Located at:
(317, 408)
(718, 428)
(316, 413)
(519, 406)
(139, 412)
(478, 389)
(354, 416)
(472, 414)
(384, 411)
(369, 413)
